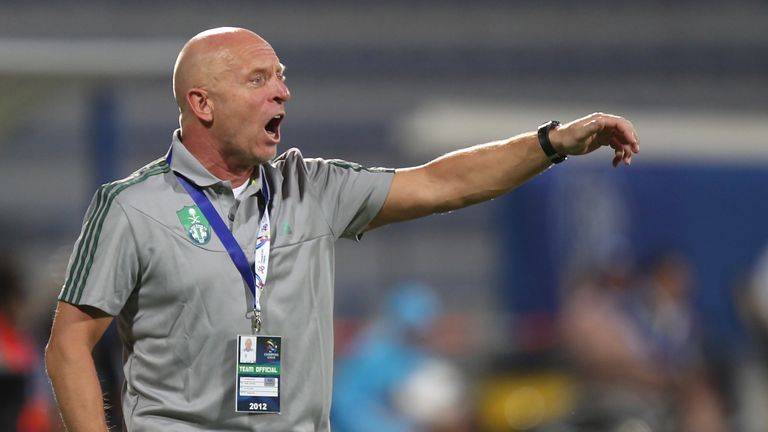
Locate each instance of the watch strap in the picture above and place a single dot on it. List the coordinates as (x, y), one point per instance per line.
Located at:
(546, 145)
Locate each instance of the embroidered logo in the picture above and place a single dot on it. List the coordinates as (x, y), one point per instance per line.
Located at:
(194, 222)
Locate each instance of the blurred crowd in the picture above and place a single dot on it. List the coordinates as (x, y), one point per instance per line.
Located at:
(631, 347)
(636, 345)
(643, 355)
(632, 354)
(25, 404)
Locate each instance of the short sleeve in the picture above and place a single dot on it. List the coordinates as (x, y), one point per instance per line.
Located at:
(349, 194)
(103, 267)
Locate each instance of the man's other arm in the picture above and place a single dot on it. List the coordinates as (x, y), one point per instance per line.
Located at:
(70, 366)
(486, 171)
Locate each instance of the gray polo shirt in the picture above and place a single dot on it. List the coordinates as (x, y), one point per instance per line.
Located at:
(180, 301)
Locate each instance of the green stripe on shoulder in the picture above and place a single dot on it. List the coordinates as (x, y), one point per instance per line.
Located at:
(81, 266)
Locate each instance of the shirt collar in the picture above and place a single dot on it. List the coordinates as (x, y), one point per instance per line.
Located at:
(186, 164)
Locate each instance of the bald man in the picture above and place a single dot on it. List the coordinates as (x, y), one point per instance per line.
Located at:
(156, 248)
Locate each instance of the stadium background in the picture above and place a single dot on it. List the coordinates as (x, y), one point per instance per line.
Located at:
(86, 98)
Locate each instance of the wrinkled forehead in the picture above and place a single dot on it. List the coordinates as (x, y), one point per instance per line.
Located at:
(255, 54)
(256, 47)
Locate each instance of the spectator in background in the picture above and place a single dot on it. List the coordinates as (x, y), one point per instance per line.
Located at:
(750, 371)
(390, 380)
(754, 303)
(637, 344)
(619, 382)
(22, 407)
(662, 313)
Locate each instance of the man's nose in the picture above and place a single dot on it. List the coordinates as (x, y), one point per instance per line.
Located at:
(282, 94)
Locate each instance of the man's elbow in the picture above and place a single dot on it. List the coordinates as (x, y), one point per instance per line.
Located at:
(60, 355)
(53, 358)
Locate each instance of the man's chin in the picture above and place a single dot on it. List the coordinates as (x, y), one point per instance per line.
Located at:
(267, 156)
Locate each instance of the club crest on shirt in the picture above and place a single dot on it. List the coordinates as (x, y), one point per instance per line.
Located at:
(196, 225)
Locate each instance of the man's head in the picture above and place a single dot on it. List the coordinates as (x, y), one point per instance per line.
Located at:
(228, 83)
(672, 275)
(248, 344)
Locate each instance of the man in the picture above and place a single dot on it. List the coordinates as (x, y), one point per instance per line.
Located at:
(147, 253)
(247, 353)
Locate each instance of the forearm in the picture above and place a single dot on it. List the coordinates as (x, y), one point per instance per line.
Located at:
(76, 386)
(70, 367)
(462, 178)
(486, 171)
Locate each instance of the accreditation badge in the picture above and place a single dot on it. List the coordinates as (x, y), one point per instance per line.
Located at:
(258, 374)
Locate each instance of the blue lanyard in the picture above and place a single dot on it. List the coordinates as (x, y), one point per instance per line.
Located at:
(228, 240)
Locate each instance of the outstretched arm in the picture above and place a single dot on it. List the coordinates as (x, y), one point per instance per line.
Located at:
(486, 171)
(69, 364)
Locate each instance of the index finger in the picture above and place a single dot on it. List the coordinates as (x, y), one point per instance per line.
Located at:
(624, 128)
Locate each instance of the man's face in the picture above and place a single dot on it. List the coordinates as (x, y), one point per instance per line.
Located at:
(249, 102)
(248, 344)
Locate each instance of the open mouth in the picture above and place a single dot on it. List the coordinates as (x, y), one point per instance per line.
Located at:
(273, 126)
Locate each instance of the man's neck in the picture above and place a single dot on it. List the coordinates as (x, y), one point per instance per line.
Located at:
(236, 176)
(212, 159)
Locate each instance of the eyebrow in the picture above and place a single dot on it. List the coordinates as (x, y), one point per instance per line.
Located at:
(260, 69)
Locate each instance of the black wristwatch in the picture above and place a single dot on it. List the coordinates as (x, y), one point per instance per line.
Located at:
(546, 145)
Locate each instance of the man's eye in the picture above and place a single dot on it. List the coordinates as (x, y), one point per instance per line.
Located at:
(258, 79)
(281, 77)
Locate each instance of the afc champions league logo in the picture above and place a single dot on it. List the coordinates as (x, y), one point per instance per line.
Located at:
(271, 350)
(194, 222)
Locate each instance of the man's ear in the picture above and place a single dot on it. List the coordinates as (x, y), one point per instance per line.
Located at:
(200, 105)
